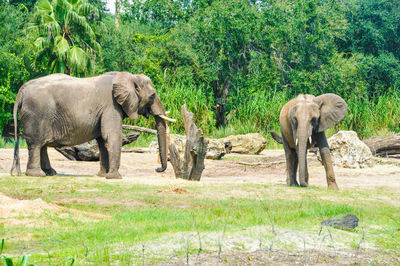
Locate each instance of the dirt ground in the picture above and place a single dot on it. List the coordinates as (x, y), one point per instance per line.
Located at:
(268, 167)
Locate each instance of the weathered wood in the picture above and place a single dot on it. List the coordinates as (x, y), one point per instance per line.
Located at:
(141, 129)
(129, 138)
(192, 165)
(384, 146)
(136, 150)
(89, 151)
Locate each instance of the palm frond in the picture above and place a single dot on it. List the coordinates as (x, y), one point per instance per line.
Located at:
(61, 47)
(77, 59)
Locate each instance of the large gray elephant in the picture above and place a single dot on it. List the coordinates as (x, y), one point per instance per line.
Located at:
(60, 110)
(303, 122)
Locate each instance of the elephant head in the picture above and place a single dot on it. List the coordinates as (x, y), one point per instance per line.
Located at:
(136, 95)
(310, 115)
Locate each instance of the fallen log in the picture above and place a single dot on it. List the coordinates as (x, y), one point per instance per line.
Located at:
(191, 166)
(140, 129)
(384, 146)
(89, 151)
(136, 150)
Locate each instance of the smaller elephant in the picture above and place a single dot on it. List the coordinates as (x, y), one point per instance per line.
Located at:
(303, 122)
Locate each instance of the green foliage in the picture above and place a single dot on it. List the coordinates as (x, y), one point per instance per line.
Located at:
(64, 36)
(373, 29)
(9, 262)
(234, 63)
(24, 261)
(13, 59)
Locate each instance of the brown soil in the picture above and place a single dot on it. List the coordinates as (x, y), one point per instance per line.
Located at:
(268, 167)
(277, 257)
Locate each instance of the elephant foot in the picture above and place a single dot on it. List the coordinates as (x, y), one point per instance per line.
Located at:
(303, 184)
(114, 175)
(101, 173)
(293, 183)
(50, 172)
(35, 172)
(333, 186)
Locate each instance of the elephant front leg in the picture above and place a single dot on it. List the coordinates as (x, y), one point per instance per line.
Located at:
(111, 132)
(306, 177)
(104, 167)
(113, 146)
(291, 165)
(45, 162)
(327, 160)
(33, 168)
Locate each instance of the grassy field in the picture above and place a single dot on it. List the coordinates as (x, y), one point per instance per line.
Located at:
(159, 223)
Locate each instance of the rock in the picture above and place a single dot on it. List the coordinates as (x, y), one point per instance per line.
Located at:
(350, 221)
(89, 151)
(349, 151)
(251, 143)
(153, 147)
(216, 149)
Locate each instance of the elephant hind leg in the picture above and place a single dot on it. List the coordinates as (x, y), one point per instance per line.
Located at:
(45, 162)
(104, 165)
(34, 168)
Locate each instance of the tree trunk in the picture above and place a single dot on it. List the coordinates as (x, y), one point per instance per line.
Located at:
(384, 146)
(191, 166)
(117, 7)
(221, 94)
(220, 120)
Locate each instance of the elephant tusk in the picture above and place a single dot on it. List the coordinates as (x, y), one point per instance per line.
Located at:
(167, 112)
(297, 141)
(310, 140)
(168, 119)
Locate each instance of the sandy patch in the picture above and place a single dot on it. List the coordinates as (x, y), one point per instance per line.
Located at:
(26, 212)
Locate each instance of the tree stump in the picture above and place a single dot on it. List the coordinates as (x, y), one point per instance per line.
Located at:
(89, 151)
(384, 146)
(191, 166)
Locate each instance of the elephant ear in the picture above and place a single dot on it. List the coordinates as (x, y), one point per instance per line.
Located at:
(332, 108)
(125, 93)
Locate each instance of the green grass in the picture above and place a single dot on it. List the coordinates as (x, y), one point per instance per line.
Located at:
(204, 208)
(10, 143)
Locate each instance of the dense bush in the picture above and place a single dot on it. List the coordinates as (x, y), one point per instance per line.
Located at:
(234, 63)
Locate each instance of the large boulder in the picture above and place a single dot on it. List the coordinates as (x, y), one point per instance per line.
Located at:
(349, 151)
(252, 143)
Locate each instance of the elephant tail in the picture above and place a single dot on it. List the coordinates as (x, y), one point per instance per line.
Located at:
(16, 162)
(276, 137)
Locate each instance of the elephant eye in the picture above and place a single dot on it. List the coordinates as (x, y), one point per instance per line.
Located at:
(314, 121)
(295, 122)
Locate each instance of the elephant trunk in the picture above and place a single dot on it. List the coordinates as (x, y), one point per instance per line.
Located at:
(302, 156)
(162, 142)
